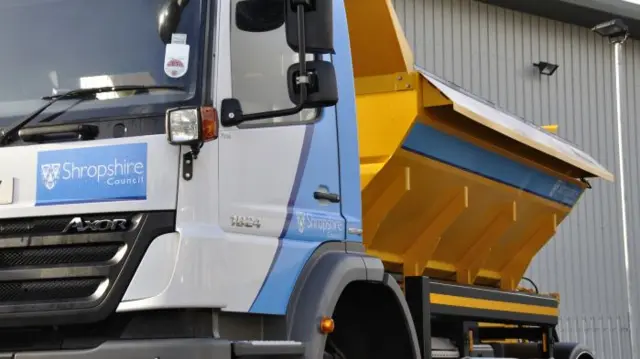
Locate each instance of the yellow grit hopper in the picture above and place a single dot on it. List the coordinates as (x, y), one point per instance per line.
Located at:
(452, 187)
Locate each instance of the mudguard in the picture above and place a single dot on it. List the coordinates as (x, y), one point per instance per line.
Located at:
(572, 351)
(325, 276)
(532, 350)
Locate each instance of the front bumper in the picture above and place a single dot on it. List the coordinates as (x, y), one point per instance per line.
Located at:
(139, 349)
(208, 348)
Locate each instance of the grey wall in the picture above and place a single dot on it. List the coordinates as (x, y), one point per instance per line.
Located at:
(631, 113)
(490, 51)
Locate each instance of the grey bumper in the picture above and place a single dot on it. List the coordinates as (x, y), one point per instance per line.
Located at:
(173, 349)
(139, 349)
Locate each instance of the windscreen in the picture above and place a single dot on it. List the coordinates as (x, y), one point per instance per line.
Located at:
(48, 47)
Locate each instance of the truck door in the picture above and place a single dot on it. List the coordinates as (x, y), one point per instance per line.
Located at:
(273, 174)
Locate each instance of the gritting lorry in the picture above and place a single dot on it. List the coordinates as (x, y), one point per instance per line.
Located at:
(263, 179)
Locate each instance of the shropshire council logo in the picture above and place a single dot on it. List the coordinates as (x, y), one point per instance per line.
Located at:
(50, 175)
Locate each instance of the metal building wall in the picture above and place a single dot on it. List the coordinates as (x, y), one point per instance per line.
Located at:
(631, 112)
(490, 51)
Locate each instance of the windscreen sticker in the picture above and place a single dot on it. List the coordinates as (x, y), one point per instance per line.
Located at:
(176, 56)
(92, 174)
(179, 39)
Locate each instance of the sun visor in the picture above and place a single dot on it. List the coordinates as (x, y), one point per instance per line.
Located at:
(517, 129)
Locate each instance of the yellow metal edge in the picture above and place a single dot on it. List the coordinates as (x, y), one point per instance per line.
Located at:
(405, 48)
(493, 305)
(513, 271)
(417, 256)
(400, 81)
(390, 52)
(431, 95)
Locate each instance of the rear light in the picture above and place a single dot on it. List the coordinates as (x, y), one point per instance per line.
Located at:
(191, 126)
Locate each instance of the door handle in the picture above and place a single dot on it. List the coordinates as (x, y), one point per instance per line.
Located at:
(331, 197)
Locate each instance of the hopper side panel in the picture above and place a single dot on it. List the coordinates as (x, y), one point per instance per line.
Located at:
(510, 209)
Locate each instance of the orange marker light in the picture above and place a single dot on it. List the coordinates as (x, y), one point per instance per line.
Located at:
(327, 325)
(209, 123)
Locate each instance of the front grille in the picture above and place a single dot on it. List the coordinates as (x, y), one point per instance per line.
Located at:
(49, 276)
(57, 255)
(48, 290)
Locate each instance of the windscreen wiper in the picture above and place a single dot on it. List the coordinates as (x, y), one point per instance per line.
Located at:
(80, 94)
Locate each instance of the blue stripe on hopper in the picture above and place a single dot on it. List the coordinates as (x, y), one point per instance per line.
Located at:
(429, 142)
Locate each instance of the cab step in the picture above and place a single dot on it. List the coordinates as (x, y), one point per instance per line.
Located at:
(271, 348)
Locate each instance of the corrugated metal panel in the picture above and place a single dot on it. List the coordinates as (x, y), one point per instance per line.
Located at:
(631, 112)
(490, 51)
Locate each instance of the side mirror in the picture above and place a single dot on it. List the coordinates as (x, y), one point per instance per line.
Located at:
(232, 114)
(309, 28)
(318, 25)
(169, 18)
(322, 90)
(259, 15)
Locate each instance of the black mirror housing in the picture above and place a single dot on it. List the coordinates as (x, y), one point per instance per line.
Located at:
(169, 18)
(260, 15)
(318, 23)
(231, 112)
(323, 86)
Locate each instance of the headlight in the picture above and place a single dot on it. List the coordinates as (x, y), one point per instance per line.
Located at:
(190, 126)
(183, 126)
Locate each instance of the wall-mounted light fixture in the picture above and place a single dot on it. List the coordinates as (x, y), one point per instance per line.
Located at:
(616, 30)
(546, 68)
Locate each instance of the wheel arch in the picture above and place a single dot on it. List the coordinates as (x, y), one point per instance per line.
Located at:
(565, 350)
(329, 272)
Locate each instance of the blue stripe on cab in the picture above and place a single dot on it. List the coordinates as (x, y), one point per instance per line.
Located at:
(351, 200)
(429, 142)
(291, 258)
(329, 157)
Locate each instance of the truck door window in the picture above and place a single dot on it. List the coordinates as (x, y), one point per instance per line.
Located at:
(259, 63)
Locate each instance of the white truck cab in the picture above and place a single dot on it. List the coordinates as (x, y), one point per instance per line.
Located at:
(124, 193)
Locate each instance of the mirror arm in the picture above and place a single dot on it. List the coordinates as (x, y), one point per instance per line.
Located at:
(269, 114)
(302, 80)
